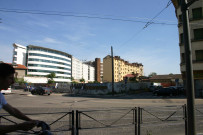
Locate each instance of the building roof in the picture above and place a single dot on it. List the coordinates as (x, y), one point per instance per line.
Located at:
(18, 45)
(164, 77)
(126, 62)
(33, 46)
(18, 66)
(175, 2)
(130, 75)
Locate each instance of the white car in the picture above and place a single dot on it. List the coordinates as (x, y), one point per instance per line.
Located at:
(6, 91)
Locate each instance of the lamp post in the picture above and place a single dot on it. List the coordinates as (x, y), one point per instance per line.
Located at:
(189, 69)
(112, 70)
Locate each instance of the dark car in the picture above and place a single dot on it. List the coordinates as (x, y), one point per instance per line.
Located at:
(177, 90)
(41, 91)
(152, 88)
(164, 92)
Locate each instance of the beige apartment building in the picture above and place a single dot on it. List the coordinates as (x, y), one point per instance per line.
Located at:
(121, 68)
(196, 34)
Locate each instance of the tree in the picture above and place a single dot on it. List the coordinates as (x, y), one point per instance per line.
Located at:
(20, 81)
(82, 80)
(152, 74)
(133, 79)
(51, 77)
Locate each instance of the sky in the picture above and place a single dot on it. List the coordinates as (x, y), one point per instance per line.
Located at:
(87, 29)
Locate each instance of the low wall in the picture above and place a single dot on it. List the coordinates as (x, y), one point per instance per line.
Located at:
(107, 88)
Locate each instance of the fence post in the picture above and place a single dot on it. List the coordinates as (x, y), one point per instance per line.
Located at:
(185, 117)
(133, 115)
(76, 127)
(139, 116)
(135, 119)
(73, 127)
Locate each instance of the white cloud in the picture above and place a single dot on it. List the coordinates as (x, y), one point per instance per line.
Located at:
(38, 24)
(49, 40)
(72, 38)
(7, 28)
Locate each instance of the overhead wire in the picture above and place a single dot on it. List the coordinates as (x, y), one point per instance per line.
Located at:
(81, 16)
(139, 18)
(146, 25)
(150, 22)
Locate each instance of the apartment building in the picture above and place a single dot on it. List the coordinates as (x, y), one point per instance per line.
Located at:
(83, 70)
(41, 61)
(98, 70)
(101, 72)
(76, 69)
(19, 54)
(121, 68)
(196, 34)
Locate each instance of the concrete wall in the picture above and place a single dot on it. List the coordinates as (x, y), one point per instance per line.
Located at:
(20, 73)
(118, 88)
(35, 79)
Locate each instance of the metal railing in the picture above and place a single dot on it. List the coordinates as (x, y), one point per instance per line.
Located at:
(131, 121)
(58, 121)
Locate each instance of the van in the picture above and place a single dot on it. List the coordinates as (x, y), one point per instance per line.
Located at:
(6, 91)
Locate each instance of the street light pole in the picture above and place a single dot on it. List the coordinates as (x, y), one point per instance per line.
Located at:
(189, 69)
(112, 70)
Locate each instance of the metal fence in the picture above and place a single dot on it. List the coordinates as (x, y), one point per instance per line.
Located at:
(106, 122)
(199, 119)
(165, 120)
(60, 122)
(169, 120)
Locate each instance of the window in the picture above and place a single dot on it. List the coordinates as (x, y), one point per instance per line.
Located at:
(180, 18)
(183, 57)
(14, 59)
(198, 34)
(181, 38)
(199, 55)
(197, 13)
(179, 2)
(15, 53)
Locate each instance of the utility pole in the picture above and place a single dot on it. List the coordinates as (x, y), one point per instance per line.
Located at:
(112, 70)
(189, 69)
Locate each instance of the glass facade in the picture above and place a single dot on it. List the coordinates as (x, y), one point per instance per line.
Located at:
(47, 71)
(48, 56)
(48, 61)
(49, 51)
(47, 66)
(43, 61)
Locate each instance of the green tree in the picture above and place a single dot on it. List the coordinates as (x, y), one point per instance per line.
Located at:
(133, 79)
(51, 77)
(20, 81)
(152, 74)
(82, 80)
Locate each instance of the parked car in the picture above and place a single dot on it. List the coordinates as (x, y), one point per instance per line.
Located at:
(177, 90)
(6, 91)
(41, 91)
(165, 92)
(152, 88)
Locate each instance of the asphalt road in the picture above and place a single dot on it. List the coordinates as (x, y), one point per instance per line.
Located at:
(19, 98)
(155, 110)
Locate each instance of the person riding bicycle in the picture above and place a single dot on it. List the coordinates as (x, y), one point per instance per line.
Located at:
(7, 79)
